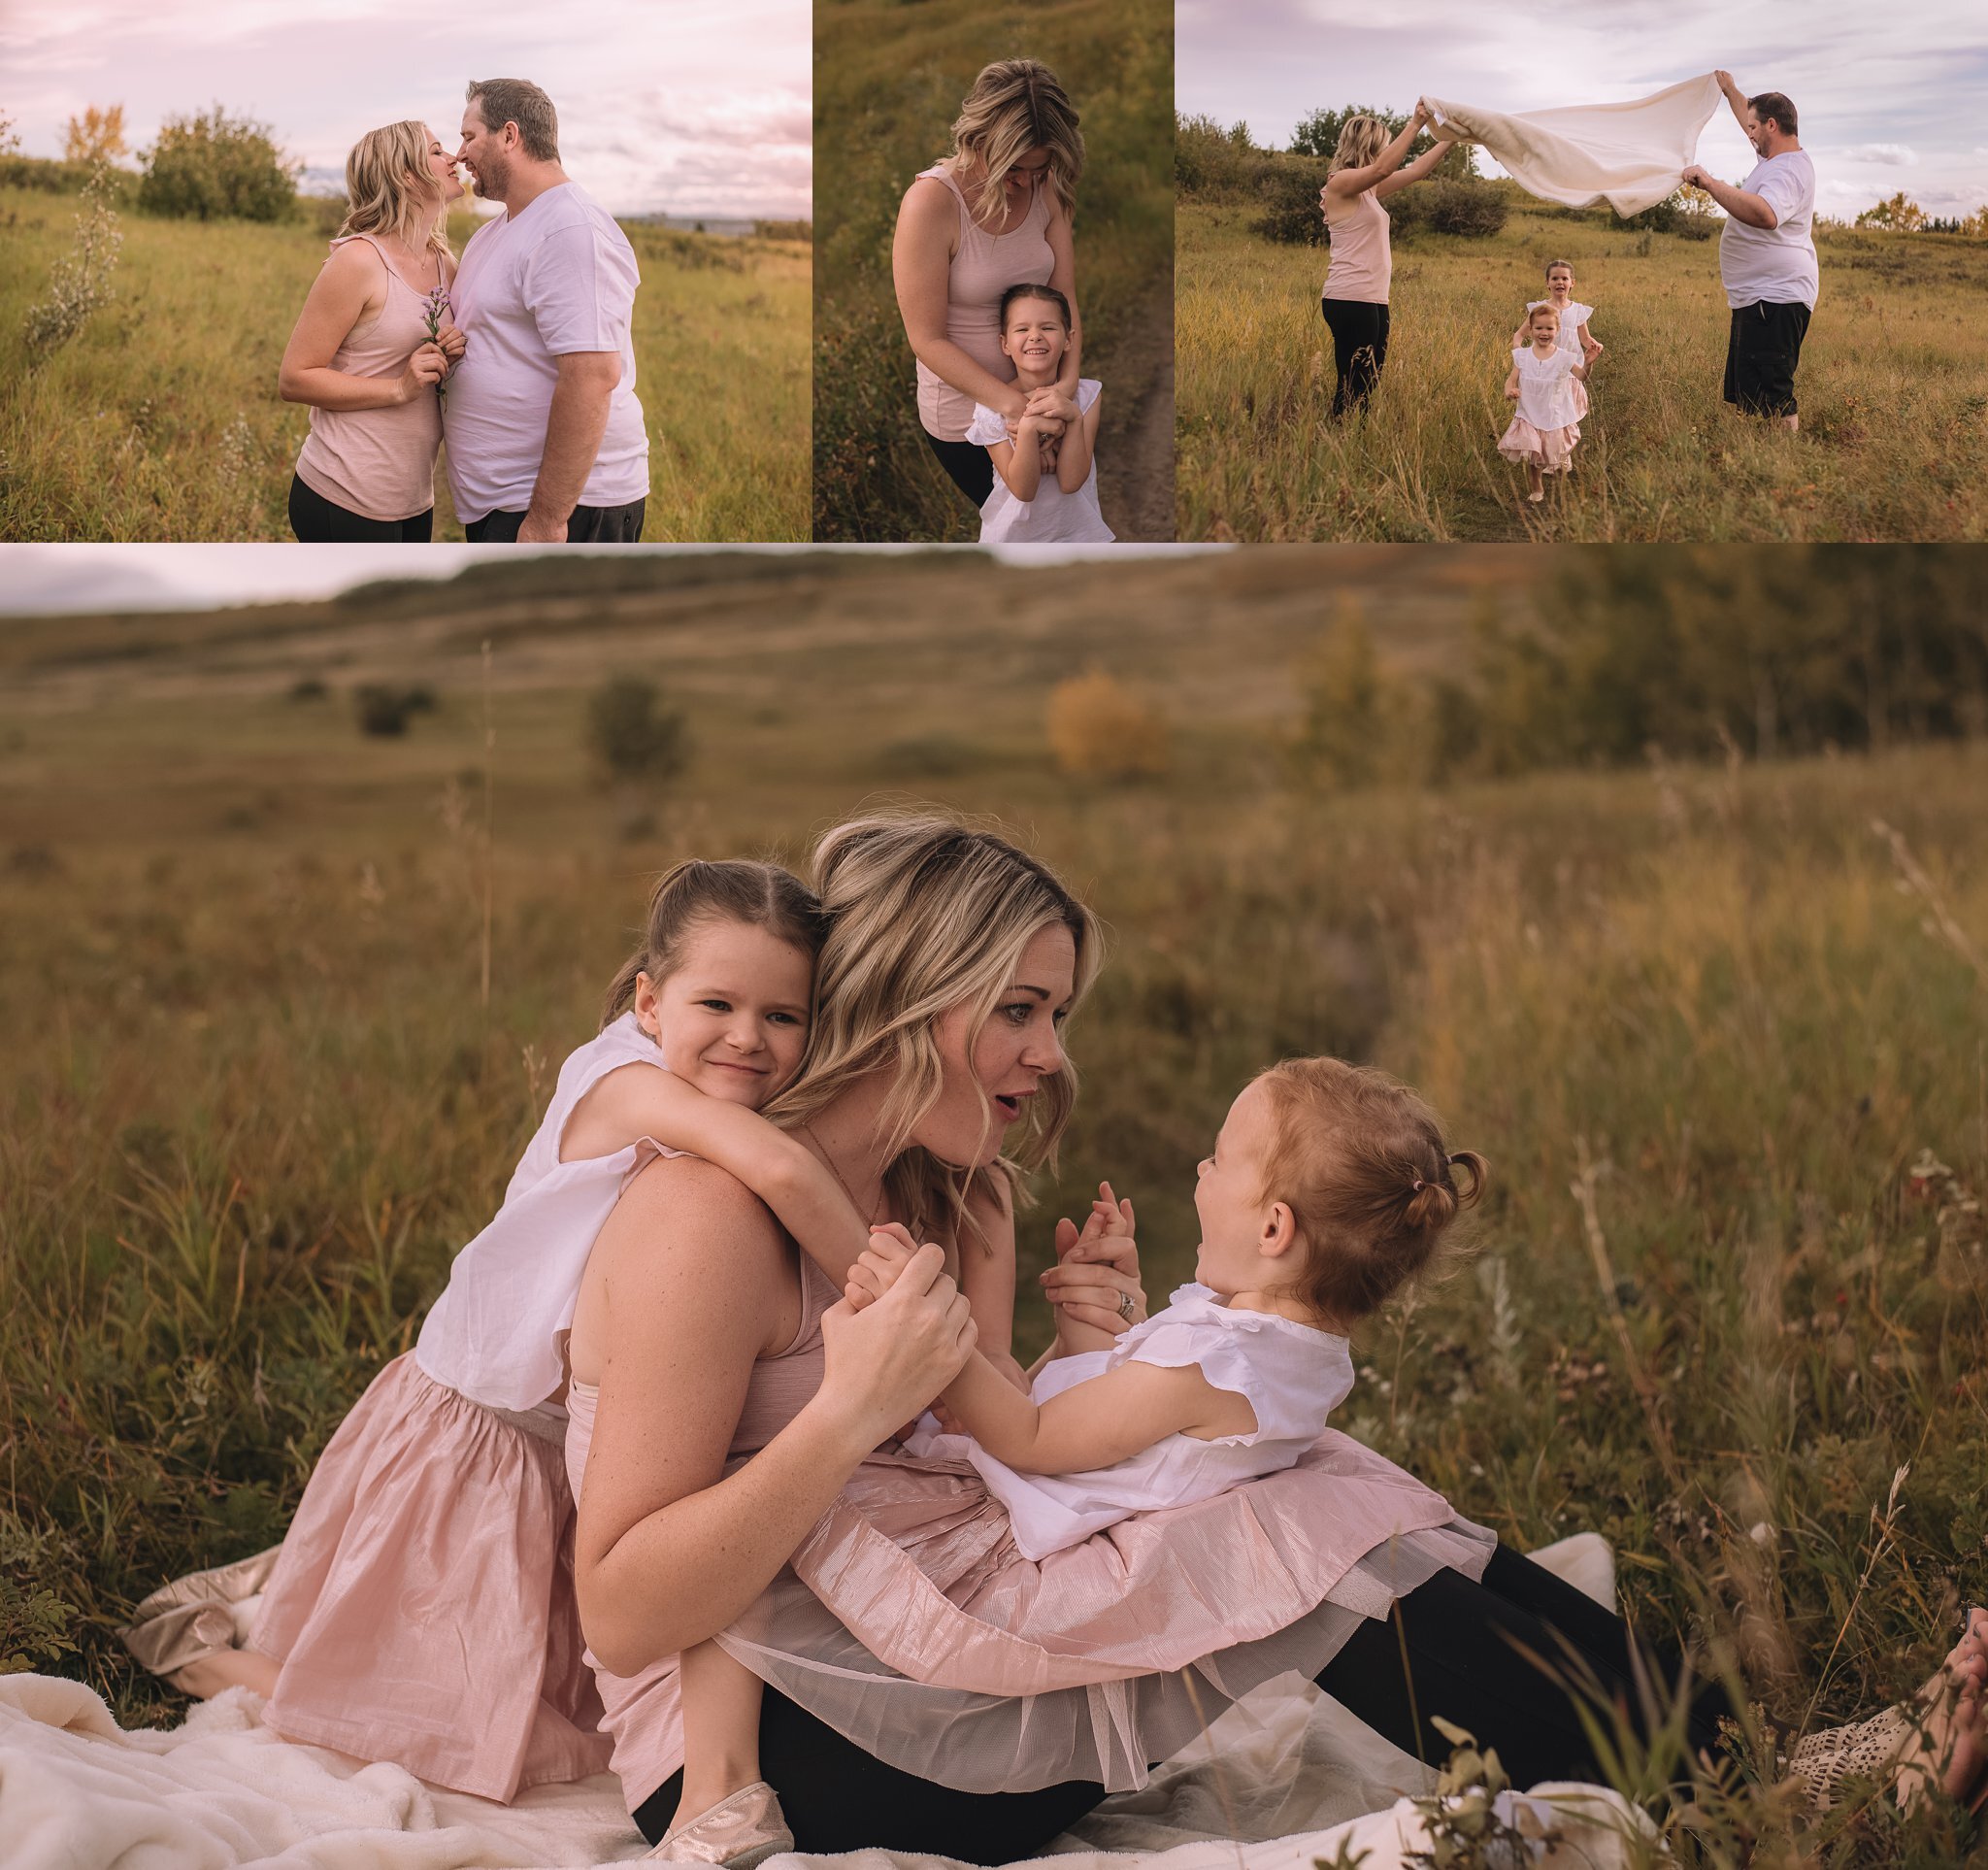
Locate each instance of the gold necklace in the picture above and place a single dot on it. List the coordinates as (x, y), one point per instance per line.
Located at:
(877, 1213)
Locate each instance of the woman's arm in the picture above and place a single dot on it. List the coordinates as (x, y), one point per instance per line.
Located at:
(1417, 171)
(1354, 181)
(338, 299)
(1063, 277)
(635, 1101)
(921, 267)
(1093, 1424)
(688, 1287)
(1079, 443)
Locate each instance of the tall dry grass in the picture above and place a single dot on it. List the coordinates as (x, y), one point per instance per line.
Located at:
(1893, 389)
(160, 420)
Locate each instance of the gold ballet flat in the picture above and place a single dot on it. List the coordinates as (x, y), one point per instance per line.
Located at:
(739, 1832)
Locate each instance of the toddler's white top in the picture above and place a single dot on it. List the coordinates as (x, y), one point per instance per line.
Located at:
(498, 1332)
(1546, 387)
(1571, 319)
(1052, 515)
(1292, 1375)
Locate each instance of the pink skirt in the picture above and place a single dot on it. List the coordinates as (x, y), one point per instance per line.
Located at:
(423, 1606)
(1553, 448)
(910, 1623)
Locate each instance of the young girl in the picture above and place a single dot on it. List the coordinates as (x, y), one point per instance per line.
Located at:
(421, 1608)
(1574, 323)
(1546, 426)
(1046, 487)
(1329, 1189)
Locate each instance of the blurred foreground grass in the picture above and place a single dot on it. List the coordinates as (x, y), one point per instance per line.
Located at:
(1722, 1040)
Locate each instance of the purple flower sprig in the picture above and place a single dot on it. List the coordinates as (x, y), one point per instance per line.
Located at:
(439, 311)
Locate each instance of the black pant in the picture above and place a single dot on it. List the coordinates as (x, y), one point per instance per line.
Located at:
(1464, 1660)
(967, 465)
(1359, 348)
(1763, 348)
(319, 521)
(584, 525)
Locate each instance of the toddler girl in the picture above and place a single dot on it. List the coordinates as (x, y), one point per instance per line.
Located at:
(1328, 1189)
(1574, 323)
(421, 1608)
(1544, 381)
(1046, 482)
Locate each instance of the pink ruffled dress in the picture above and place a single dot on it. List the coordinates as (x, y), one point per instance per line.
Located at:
(1547, 427)
(422, 1606)
(911, 1621)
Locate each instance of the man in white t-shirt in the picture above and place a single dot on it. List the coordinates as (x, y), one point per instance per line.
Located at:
(1767, 256)
(545, 438)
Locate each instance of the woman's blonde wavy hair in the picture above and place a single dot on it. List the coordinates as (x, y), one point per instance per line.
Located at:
(389, 189)
(1361, 140)
(928, 912)
(1017, 105)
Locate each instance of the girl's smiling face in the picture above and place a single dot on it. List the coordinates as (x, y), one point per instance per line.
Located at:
(1545, 329)
(1035, 336)
(731, 1018)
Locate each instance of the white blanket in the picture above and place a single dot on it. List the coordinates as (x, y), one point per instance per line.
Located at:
(1632, 156)
(1282, 1779)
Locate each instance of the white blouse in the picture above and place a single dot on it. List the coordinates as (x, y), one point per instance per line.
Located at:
(1546, 387)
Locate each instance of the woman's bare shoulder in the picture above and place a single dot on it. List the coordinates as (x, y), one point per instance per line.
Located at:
(686, 1210)
(929, 201)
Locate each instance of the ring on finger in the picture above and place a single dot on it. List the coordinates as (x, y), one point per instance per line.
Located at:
(1126, 1308)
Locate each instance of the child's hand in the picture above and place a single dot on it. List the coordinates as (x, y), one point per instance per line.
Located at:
(1594, 348)
(877, 1266)
(1512, 392)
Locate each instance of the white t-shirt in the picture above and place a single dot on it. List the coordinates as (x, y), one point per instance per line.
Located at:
(1774, 265)
(1546, 387)
(1068, 518)
(533, 288)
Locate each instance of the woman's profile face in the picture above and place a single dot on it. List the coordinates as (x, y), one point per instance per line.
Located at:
(441, 166)
(991, 1073)
(1026, 176)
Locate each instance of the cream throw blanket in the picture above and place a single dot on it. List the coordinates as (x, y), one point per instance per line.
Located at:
(1632, 156)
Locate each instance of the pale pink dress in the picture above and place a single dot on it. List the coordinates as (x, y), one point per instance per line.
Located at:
(910, 1620)
(423, 1606)
(984, 266)
(1546, 427)
(377, 462)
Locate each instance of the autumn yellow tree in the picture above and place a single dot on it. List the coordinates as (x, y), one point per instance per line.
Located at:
(96, 136)
(1099, 729)
(1900, 215)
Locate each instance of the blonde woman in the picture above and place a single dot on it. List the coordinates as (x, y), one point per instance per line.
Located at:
(996, 213)
(1366, 169)
(373, 345)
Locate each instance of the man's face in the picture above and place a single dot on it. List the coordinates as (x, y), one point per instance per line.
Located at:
(483, 154)
(1757, 133)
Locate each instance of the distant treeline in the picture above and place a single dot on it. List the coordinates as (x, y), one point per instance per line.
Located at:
(1688, 653)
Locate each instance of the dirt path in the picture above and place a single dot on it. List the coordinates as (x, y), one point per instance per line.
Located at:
(1135, 442)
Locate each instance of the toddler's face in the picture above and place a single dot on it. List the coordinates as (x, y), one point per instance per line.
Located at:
(1230, 1199)
(1034, 335)
(731, 1019)
(1544, 330)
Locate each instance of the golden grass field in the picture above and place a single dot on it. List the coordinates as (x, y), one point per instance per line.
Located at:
(160, 420)
(888, 81)
(1893, 390)
(1725, 1057)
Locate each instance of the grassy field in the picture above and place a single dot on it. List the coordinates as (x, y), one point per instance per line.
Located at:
(161, 422)
(888, 80)
(1721, 1039)
(1893, 389)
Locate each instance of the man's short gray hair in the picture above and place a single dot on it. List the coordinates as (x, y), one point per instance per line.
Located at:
(518, 100)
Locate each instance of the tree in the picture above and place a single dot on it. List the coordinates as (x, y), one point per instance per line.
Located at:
(634, 740)
(1352, 709)
(1100, 730)
(96, 136)
(1899, 214)
(213, 166)
(1318, 134)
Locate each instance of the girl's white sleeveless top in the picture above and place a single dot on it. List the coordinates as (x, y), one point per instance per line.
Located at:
(498, 1332)
(1571, 319)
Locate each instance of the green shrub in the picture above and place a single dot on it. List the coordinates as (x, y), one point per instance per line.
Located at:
(1288, 188)
(384, 711)
(631, 736)
(212, 167)
(1466, 208)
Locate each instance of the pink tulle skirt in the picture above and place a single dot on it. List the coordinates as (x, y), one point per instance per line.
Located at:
(1553, 448)
(910, 1623)
(423, 1606)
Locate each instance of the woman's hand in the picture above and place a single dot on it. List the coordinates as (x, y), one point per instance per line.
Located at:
(425, 369)
(1095, 1286)
(885, 1360)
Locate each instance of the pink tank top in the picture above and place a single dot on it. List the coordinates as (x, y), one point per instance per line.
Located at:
(378, 462)
(644, 1717)
(984, 266)
(1361, 265)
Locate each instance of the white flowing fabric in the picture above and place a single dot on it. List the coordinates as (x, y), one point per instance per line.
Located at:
(1632, 156)
(1283, 1780)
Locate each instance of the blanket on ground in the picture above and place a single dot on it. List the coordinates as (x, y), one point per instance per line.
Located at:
(1632, 154)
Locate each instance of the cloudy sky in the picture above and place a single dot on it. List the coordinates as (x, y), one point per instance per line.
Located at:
(1889, 97)
(680, 110)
